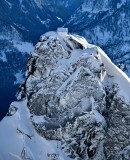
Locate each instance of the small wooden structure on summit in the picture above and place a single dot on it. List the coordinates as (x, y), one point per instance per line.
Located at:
(62, 31)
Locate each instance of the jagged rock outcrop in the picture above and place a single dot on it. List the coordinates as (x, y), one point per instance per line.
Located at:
(77, 98)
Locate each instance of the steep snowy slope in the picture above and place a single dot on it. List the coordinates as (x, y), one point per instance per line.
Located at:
(74, 104)
(23, 142)
(105, 23)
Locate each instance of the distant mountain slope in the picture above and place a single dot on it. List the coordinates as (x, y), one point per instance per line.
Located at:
(105, 23)
(34, 17)
(13, 58)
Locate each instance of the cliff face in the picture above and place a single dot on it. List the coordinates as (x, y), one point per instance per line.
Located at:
(74, 103)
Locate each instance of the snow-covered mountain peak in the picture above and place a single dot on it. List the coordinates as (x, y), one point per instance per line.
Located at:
(71, 43)
(72, 104)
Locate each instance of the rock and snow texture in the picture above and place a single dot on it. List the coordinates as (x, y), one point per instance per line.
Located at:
(102, 22)
(74, 104)
(22, 142)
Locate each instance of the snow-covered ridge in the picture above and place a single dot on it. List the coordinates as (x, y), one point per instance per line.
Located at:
(72, 104)
(119, 77)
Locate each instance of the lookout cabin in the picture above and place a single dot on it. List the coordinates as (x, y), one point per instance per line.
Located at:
(62, 31)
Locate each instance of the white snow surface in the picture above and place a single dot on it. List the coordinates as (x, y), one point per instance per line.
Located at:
(18, 137)
(119, 77)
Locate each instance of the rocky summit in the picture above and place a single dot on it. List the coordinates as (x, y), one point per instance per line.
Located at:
(73, 104)
(102, 22)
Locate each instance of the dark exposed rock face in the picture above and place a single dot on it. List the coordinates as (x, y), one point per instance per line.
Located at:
(118, 126)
